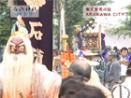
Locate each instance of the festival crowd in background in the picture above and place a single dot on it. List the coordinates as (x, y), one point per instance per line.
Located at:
(80, 74)
(110, 69)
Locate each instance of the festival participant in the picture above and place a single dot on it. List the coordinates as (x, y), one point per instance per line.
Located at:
(73, 87)
(124, 62)
(113, 70)
(82, 68)
(20, 77)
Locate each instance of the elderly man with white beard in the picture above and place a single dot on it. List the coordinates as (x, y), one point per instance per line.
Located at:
(20, 77)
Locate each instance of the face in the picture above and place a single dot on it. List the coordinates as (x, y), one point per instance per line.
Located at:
(18, 52)
(124, 53)
(18, 55)
(17, 46)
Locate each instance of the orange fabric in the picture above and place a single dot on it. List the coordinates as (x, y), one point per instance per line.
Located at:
(64, 57)
(29, 95)
(7, 95)
(65, 72)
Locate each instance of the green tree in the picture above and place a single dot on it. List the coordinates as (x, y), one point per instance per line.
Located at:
(74, 11)
(6, 22)
(74, 14)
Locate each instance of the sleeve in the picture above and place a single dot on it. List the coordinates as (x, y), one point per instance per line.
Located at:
(47, 83)
(54, 88)
(51, 85)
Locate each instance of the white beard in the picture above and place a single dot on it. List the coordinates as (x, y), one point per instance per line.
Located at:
(17, 75)
(18, 63)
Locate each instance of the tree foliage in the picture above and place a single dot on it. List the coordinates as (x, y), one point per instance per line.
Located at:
(74, 13)
(5, 22)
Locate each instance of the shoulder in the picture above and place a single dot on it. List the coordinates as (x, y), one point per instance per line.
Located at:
(116, 63)
(43, 71)
(48, 78)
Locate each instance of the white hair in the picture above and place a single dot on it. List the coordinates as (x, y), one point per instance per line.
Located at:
(17, 70)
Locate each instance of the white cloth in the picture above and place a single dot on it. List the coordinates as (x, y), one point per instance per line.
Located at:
(123, 67)
(123, 70)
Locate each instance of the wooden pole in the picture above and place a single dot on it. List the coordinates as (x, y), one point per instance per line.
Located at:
(99, 35)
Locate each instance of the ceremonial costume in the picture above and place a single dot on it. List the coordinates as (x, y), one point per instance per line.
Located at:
(20, 77)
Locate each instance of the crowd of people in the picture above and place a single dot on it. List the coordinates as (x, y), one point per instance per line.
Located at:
(21, 77)
(107, 75)
(108, 70)
(113, 66)
(103, 75)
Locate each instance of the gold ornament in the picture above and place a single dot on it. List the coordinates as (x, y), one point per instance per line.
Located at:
(35, 3)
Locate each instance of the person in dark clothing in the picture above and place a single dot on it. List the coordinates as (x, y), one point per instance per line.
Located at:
(72, 87)
(114, 70)
(82, 68)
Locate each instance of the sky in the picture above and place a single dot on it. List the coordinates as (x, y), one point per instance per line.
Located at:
(119, 6)
(116, 7)
(114, 21)
(112, 40)
(121, 3)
